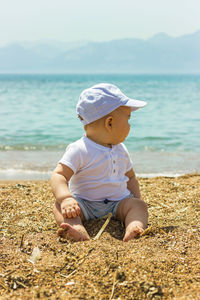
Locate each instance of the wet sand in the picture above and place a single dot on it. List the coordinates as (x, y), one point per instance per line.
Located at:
(162, 264)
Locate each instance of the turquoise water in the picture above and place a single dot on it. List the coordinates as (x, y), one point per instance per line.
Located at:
(38, 118)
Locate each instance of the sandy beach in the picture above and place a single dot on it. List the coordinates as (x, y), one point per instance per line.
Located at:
(161, 264)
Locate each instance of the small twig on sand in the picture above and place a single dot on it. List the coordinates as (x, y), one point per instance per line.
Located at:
(3, 285)
(21, 247)
(21, 283)
(162, 231)
(67, 276)
(84, 257)
(9, 272)
(103, 227)
(79, 263)
(114, 284)
(146, 231)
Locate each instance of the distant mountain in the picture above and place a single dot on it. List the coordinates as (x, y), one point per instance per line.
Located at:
(159, 54)
(51, 48)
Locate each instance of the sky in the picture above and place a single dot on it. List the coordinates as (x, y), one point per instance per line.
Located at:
(95, 20)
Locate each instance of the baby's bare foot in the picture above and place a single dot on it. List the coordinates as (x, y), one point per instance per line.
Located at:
(133, 230)
(76, 232)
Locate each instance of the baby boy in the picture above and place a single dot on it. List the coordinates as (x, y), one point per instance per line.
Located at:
(95, 176)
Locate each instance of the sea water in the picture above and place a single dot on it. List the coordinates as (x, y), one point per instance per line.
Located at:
(38, 120)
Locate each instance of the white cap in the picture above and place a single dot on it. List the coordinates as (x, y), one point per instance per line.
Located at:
(101, 99)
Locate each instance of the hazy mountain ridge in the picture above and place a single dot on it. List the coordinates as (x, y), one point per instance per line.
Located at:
(159, 54)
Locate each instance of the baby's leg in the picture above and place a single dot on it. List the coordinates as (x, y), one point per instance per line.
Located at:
(72, 227)
(133, 212)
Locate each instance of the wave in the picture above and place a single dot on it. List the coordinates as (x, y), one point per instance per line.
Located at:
(21, 174)
(27, 147)
(132, 146)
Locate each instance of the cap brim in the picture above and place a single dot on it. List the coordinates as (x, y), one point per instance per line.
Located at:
(135, 104)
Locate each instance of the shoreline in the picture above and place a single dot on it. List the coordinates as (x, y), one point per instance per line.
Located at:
(34, 165)
(150, 179)
(139, 176)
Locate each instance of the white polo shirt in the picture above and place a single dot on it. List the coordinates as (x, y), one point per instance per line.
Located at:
(99, 172)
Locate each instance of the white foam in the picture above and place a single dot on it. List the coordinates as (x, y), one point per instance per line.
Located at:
(151, 175)
(22, 174)
(25, 174)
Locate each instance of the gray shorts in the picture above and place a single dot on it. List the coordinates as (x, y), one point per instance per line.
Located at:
(97, 209)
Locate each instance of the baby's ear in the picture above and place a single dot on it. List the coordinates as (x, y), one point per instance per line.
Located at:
(108, 123)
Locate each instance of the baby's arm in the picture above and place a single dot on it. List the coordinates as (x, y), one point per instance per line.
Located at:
(133, 184)
(59, 182)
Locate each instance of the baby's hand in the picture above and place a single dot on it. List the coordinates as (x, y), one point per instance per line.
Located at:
(70, 208)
